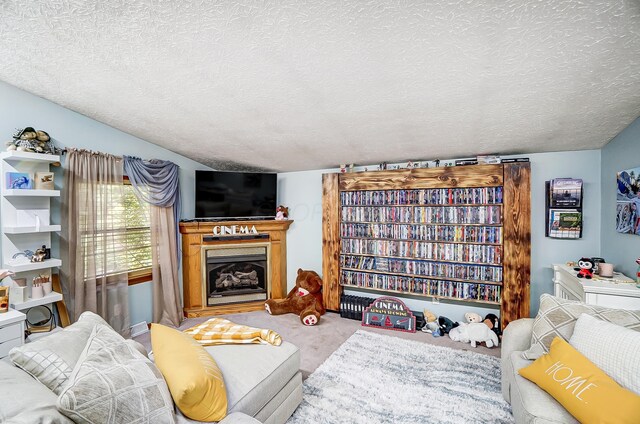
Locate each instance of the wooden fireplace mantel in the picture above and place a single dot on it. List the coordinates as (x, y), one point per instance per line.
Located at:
(193, 240)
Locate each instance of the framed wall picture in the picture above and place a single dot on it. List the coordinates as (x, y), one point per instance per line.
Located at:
(628, 201)
(18, 181)
(44, 181)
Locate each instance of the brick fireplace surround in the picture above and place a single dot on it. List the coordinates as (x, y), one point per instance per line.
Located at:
(199, 237)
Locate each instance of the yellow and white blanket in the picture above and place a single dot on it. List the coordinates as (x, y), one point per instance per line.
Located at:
(217, 331)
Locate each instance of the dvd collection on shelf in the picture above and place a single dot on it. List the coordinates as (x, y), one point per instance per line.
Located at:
(447, 233)
(419, 241)
(435, 196)
(475, 253)
(422, 286)
(424, 214)
(483, 273)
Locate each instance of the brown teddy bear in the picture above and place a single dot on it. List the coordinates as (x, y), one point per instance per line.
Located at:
(305, 299)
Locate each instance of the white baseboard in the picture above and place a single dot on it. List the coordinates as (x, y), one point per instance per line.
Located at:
(139, 328)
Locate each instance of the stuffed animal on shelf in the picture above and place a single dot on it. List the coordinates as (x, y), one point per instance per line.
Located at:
(474, 333)
(305, 299)
(585, 268)
(472, 317)
(282, 213)
(30, 140)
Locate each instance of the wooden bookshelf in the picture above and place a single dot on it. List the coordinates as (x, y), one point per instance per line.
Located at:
(435, 227)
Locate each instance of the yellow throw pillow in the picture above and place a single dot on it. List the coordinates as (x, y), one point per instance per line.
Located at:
(193, 377)
(583, 389)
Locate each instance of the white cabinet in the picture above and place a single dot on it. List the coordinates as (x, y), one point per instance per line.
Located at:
(25, 215)
(11, 331)
(619, 292)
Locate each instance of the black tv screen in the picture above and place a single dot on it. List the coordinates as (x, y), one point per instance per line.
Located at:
(235, 194)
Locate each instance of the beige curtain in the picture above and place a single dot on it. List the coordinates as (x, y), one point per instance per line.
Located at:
(94, 275)
(167, 306)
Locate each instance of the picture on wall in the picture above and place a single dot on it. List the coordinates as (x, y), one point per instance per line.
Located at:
(628, 201)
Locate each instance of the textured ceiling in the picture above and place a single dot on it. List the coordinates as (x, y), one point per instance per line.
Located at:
(291, 85)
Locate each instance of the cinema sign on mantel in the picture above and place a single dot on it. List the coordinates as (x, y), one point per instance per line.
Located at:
(232, 230)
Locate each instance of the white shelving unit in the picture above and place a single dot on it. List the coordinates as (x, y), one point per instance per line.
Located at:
(25, 215)
(31, 193)
(32, 229)
(46, 300)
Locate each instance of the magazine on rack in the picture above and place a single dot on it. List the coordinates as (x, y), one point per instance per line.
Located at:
(566, 192)
(565, 223)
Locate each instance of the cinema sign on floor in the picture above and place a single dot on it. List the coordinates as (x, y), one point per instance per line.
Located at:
(389, 313)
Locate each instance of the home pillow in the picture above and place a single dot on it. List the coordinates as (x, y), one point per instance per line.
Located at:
(614, 349)
(193, 377)
(582, 388)
(557, 317)
(114, 383)
(51, 359)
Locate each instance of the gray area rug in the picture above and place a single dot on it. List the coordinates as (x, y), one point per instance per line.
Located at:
(374, 378)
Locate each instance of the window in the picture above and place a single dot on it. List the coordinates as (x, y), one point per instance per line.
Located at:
(122, 240)
(138, 236)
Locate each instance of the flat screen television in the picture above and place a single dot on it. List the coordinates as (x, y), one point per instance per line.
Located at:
(222, 194)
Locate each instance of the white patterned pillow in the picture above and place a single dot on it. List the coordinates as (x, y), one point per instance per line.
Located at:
(557, 317)
(51, 359)
(114, 383)
(612, 348)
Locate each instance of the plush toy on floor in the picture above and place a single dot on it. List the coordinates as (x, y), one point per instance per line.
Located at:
(493, 322)
(474, 333)
(446, 325)
(458, 334)
(305, 299)
(472, 317)
(431, 323)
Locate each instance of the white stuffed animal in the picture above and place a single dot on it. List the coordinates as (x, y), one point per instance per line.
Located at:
(458, 334)
(474, 333)
(472, 317)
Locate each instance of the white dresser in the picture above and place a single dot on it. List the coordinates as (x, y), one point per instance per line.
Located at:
(612, 293)
(11, 331)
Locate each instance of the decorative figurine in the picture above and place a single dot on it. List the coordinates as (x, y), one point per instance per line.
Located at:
(282, 213)
(585, 268)
(39, 255)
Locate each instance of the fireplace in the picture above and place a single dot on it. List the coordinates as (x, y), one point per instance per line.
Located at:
(235, 273)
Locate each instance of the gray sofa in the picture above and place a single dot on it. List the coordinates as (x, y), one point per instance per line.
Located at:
(529, 403)
(263, 384)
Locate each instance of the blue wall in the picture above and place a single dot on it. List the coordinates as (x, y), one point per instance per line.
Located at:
(19, 109)
(302, 192)
(623, 152)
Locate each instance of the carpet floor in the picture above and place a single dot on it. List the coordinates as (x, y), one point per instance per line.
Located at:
(375, 378)
(317, 343)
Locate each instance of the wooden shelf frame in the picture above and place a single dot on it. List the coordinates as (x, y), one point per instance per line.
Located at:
(516, 223)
